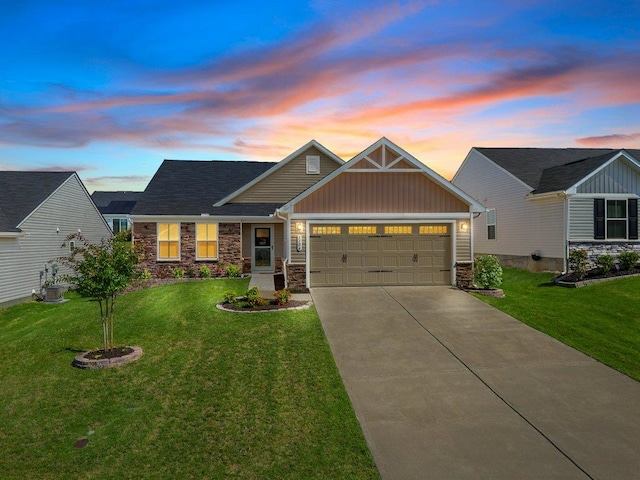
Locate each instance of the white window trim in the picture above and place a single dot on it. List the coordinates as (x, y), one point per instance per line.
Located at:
(625, 219)
(313, 164)
(492, 224)
(159, 259)
(198, 258)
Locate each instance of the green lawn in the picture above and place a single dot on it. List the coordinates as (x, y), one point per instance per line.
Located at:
(215, 395)
(600, 320)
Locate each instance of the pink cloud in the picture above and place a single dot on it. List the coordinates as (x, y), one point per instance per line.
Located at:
(612, 140)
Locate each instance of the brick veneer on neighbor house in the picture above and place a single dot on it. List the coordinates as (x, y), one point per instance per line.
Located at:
(229, 247)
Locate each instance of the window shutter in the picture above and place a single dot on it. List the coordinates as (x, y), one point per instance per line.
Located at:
(598, 218)
(633, 218)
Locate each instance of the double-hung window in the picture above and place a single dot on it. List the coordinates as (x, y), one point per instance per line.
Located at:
(491, 224)
(615, 219)
(168, 241)
(206, 241)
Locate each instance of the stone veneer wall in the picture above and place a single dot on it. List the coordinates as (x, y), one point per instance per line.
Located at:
(229, 249)
(464, 274)
(296, 276)
(595, 249)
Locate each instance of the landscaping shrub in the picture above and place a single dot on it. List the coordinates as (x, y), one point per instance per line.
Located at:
(178, 273)
(578, 262)
(191, 273)
(232, 271)
(229, 297)
(282, 296)
(487, 271)
(628, 260)
(605, 262)
(145, 274)
(205, 272)
(254, 299)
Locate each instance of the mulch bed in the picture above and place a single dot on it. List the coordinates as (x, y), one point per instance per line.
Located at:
(596, 274)
(272, 305)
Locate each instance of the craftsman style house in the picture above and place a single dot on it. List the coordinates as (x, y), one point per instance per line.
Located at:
(543, 202)
(382, 218)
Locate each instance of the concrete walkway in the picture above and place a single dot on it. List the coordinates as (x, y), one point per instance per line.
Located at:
(447, 387)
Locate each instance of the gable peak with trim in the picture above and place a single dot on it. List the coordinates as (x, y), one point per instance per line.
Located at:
(547, 170)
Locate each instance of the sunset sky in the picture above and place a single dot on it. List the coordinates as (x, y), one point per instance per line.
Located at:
(110, 89)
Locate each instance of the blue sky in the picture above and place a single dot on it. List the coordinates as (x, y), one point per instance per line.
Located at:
(110, 89)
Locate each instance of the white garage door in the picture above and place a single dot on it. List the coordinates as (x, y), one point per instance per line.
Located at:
(353, 255)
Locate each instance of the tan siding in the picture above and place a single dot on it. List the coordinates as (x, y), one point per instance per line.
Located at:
(364, 192)
(619, 177)
(297, 257)
(463, 246)
(581, 215)
(522, 225)
(69, 209)
(287, 182)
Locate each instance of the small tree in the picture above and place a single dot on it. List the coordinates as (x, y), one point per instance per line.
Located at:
(487, 271)
(102, 271)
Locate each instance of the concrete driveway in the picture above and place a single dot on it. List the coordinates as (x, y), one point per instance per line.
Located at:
(446, 386)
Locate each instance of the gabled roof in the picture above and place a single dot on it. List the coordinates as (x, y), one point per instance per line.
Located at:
(278, 166)
(115, 202)
(406, 162)
(22, 192)
(191, 187)
(552, 169)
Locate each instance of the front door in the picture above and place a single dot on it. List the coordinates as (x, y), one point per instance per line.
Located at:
(263, 250)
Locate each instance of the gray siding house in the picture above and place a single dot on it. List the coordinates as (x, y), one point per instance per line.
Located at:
(543, 202)
(37, 212)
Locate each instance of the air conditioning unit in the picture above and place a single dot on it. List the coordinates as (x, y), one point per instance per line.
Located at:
(54, 293)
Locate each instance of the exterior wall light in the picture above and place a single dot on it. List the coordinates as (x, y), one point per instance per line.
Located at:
(300, 227)
(464, 226)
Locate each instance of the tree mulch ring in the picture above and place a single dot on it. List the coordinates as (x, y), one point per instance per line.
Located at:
(271, 306)
(116, 357)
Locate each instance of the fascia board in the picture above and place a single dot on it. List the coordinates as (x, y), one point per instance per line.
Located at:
(622, 153)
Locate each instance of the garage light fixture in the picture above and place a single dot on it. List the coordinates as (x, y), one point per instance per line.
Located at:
(299, 227)
(464, 226)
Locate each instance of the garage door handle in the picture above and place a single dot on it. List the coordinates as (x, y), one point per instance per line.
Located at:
(415, 257)
(445, 270)
(344, 258)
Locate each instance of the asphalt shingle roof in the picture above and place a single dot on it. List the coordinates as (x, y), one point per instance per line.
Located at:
(22, 192)
(115, 202)
(188, 187)
(551, 169)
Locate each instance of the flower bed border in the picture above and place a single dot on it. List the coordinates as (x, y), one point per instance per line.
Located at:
(591, 281)
(94, 364)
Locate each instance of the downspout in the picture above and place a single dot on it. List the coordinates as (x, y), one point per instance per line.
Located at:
(287, 237)
(565, 266)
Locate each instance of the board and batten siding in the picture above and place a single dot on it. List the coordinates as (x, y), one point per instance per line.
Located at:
(618, 177)
(523, 226)
(374, 192)
(288, 181)
(69, 208)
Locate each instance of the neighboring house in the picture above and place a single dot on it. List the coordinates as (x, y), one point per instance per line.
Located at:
(383, 218)
(116, 208)
(543, 202)
(37, 212)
